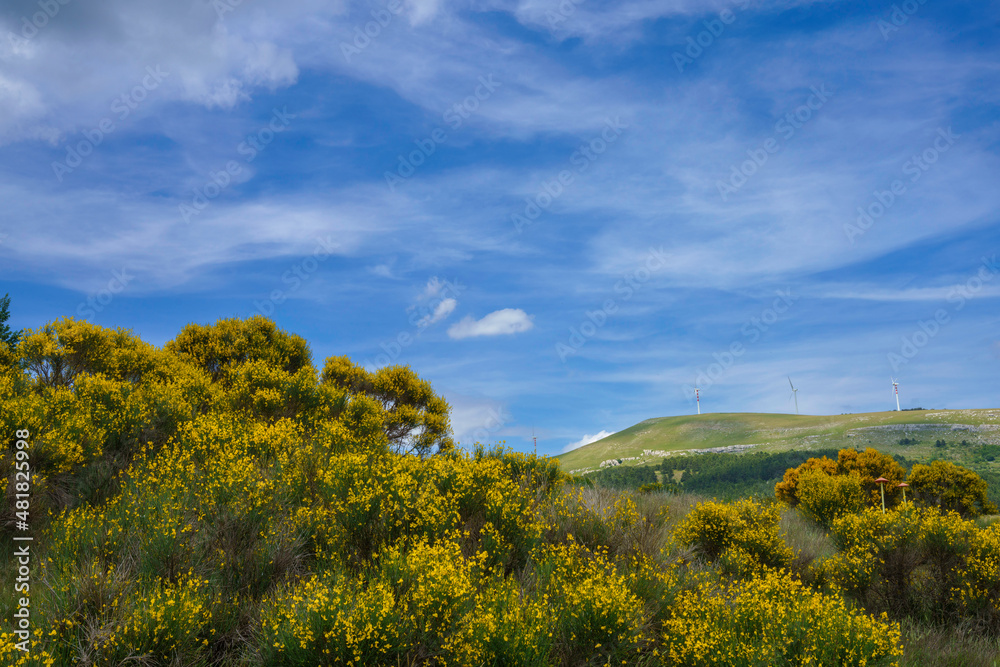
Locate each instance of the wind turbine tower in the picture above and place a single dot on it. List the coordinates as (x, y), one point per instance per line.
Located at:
(697, 399)
(795, 394)
(895, 390)
(534, 439)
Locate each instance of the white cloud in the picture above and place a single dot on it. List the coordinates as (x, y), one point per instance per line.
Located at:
(64, 76)
(434, 287)
(499, 322)
(476, 419)
(383, 270)
(441, 311)
(423, 10)
(586, 440)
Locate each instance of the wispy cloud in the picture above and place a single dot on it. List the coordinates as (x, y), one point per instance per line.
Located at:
(498, 323)
(442, 310)
(586, 440)
(566, 68)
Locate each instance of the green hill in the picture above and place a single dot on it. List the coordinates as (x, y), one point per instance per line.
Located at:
(917, 430)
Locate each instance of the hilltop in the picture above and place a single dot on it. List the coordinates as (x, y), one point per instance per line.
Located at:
(649, 440)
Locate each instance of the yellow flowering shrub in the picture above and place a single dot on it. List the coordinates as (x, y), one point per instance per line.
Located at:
(867, 466)
(594, 611)
(218, 501)
(979, 591)
(331, 619)
(877, 557)
(950, 487)
(746, 527)
(824, 497)
(770, 620)
(164, 625)
(917, 560)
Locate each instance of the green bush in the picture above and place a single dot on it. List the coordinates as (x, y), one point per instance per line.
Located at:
(749, 527)
(951, 488)
(824, 498)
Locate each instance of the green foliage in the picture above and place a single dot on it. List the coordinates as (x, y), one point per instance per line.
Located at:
(824, 497)
(221, 347)
(772, 619)
(923, 563)
(986, 453)
(877, 557)
(624, 477)
(221, 502)
(744, 533)
(868, 466)
(992, 479)
(414, 418)
(950, 487)
(731, 476)
(8, 336)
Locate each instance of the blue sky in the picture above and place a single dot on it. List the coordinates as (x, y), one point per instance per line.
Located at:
(565, 215)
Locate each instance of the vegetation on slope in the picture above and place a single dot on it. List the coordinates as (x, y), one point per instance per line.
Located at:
(221, 502)
(964, 435)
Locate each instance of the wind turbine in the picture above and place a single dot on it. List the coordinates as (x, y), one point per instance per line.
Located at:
(895, 390)
(697, 399)
(795, 393)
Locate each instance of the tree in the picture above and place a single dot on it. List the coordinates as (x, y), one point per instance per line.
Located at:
(824, 498)
(788, 488)
(868, 466)
(218, 348)
(57, 353)
(7, 335)
(415, 418)
(951, 487)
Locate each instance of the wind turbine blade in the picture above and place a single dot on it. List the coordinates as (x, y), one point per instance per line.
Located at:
(790, 383)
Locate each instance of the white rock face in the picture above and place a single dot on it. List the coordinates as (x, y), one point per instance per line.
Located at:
(617, 462)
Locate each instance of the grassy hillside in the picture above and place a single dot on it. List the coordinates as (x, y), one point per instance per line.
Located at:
(780, 432)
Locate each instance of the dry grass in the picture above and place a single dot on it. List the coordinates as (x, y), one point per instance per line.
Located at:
(808, 540)
(987, 520)
(650, 534)
(928, 646)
